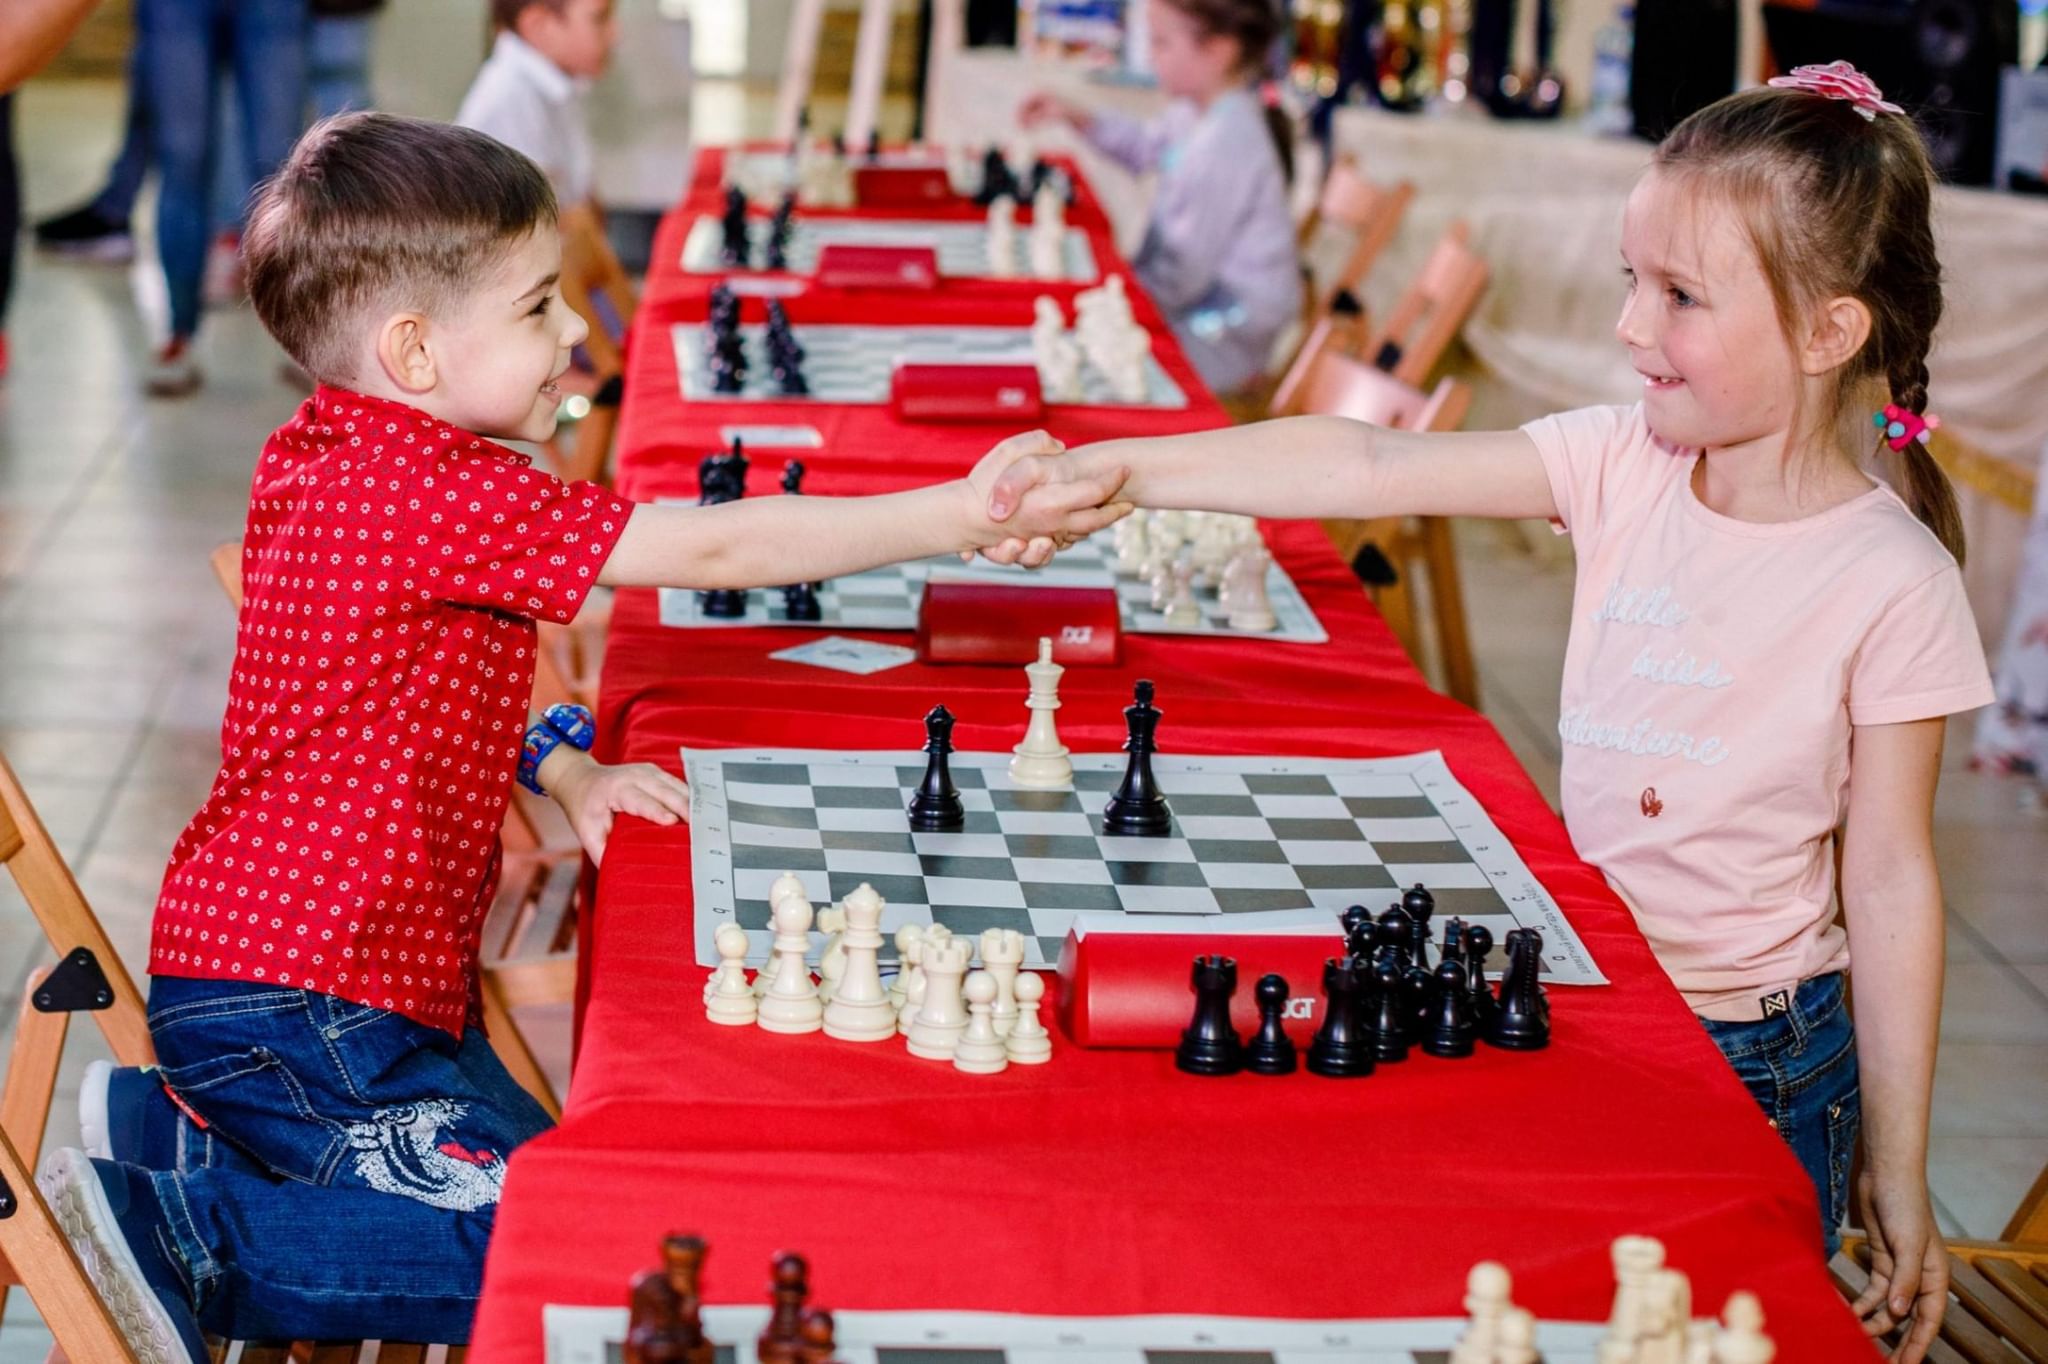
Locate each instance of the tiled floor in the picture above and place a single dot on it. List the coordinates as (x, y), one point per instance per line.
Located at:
(115, 644)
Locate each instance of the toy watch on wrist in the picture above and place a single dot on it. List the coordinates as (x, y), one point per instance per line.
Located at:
(559, 724)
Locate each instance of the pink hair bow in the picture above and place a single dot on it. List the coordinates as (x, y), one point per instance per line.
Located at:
(1839, 80)
(1899, 428)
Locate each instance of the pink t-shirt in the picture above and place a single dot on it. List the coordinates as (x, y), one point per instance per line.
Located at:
(1714, 670)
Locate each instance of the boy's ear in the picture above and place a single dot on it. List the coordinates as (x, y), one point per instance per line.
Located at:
(1840, 331)
(404, 354)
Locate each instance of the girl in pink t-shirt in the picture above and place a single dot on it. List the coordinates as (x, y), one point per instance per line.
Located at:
(1765, 639)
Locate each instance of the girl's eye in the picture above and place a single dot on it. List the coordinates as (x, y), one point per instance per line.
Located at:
(540, 308)
(1682, 298)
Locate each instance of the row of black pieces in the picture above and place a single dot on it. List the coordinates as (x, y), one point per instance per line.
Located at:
(1373, 1012)
(998, 181)
(803, 128)
(1136, 808)
(736, 250)
(799, 600)
(785, 352)
(725, 356)
(722, 477)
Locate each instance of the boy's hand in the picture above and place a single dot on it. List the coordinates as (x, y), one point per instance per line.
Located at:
(1908, 1263)
(1025, 502)
(591, 793)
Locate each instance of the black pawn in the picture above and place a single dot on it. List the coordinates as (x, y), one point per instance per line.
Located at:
(1390, 1016)
(1522, 1021)
(1339, 1051)
(1396, 936)
(1209, 1045)
(1271, 1050)
(800, 602)
(1138, 809)
(793, 478)
(1359, 932)
(1419, 904)
(1479, 946)
(874, 146)
(936, 807)
(1450, 1029)
(734, 248)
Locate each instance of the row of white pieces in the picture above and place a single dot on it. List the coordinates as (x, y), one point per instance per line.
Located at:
(1212, 539)
(1109, 339)
(1045, 253)
(1651, 1325)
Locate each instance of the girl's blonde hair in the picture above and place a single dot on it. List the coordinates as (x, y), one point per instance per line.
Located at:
(1836, 205)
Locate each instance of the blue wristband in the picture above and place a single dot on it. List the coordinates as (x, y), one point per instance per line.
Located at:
(560, 724)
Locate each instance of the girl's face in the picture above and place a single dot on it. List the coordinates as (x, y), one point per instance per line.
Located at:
(1700, 323)
(1189, 62)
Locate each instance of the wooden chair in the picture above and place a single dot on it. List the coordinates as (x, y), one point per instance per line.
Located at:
(1426, 318)
(1326, 381)
(1998, 1296)
(1370, 213)
(88, 977)
(870, 68)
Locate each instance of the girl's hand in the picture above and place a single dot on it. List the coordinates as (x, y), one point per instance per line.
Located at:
(591, 793)
(1908, 1262)
(1042, 106)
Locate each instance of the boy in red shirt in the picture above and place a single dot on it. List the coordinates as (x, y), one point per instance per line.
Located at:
(344, 1124)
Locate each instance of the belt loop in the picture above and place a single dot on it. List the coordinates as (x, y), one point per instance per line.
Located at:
(1802, 1023)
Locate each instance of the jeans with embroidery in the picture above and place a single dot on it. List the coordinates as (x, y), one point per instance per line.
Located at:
(1800, 1067)
(347, 1174)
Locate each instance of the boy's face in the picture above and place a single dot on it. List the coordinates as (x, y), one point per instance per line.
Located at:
(577, 35)
(497, 357)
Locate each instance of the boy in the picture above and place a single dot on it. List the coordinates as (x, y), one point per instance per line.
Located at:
(313, 953)
(529, 93)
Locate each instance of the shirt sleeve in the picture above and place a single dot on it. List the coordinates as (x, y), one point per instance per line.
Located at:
(1132, 144)
(1581, 453)
(488, 532)
(1922, 657)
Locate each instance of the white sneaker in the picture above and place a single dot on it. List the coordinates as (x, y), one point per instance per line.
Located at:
(150, 1312)
(173, 370)
(93, 1128)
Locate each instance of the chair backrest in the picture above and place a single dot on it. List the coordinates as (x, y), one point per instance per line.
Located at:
(800, 65)
(1372, 213)
(1423, 323)
(1327, 381)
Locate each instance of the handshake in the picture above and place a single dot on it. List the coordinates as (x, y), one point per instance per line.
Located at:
(1027, 499)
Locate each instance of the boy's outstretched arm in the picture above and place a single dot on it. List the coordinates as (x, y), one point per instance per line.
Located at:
(766, 541)
(1319, 467)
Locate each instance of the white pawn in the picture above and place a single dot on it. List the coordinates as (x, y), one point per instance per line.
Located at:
(1182, 611)
(1516, 1342)
(832, 961)
(780, 889)
(1244, 591)
(1048, 254)
(1668, 1296)
(910, 974)
(1029, 1044)
(1041, 762)
(1002, 238)
(979, 1051)
(1060, 372)
(1132, 541)
(942, 1017)
(859, 1010)
(1636, 1260)
(1002, 956)
(906, 937)
(1741, 1339)
(732, 1002)
(1487, 1290)
(790, 1004)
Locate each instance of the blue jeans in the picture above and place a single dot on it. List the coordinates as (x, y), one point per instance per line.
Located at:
(347, 1175)
(1800, 1067)
(339, 63)
(189, 46)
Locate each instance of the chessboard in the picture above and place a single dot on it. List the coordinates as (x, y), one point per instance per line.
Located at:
(596, 1335)
(1257, 845)
(887, 598)
(852, 364)
(961, 247)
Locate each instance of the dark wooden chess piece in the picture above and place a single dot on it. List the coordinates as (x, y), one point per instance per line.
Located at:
(1478, 947)
(1450, 1030)
(1419, 904)
(651, 1335)
(1522, 1020)
(1358, 925)
(683, 1266)
(793, 478)
(1339, 1049)
(1390, 1014)
(1271, 1050)
(800, 602)
(814, 1338)
(936, 807)
(1209, 1045)
(1138, 809)
(788, 1287)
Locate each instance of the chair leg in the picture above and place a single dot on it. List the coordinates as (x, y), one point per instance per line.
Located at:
(2030, 1220)
(512, 1050)
(1397, 608)
(1440, 552)
(32, 1242)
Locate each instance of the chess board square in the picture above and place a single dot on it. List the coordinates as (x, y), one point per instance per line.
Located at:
(1105, 781)
(1070, 895)
(1060, 869)
(1389, 807)
(1429, 829)
(943, 1354)
(875, 863)
(774, 816)
(971, 921)
(961, 844)
(859, 797)
(878, 599)
(948, 890)
(896, 890)
(1223, 826)
(1211, 851)
(1312, 853)
(1480, 903)
(1251, 875)
(753, 915)
(1351, 878)
(1288, 784)
(1070, 847)
(1209, 1357)
(796, 775)
(1376, 785)
(888, 819)
(1201, 783)
(1148, 899)
(1118, 848)
(1393, 853)
(1316, 830)
(1049, 948)
(1440, 875)
(1184, 873)
(1302, 807)
(896, 617)
(1240, 806)
(746, 856)
(781, 795)
(956, 867)
(1025, 802)
(869, 840)
(1259, 900)
(964, 778)
(751, 883)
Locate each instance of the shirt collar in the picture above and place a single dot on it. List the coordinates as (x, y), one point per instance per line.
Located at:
(330, 404)
(555, 85)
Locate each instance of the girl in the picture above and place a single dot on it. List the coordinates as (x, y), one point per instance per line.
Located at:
(1218, 254)
(1764, 639)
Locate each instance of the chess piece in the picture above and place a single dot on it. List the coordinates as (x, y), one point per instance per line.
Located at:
(1182, 611)
(1418, 904)
(1029, 1044)
(1047, 323)
(1138, 809)
(941, 1016)
(791, 1002)
(733, 251)
(831, 921)
(1244, 590)
(1637, 1260)
(1741, 1338)
(1338, 1051)
(1478, 947)
(1450, 1031)
(1667, 1296)
(980, 1051)
(814, 1338)
(906, 939)
(800, 602)
(1396, 937)
(1059, 373)
(1209, 1045)
(1002, 956)
(859, 1010)
(1391, 1019)
(1002, 238)
(731, 1001)
(936, 807)
(1131, 540)
(1271, 1050)
(1358, 925)
(1516, 1342)
(1041, 761)
(652, 1323)
(682, 1265)
(1487, 1300)
(788, 1287)
(1521, 1022)
(793, 478)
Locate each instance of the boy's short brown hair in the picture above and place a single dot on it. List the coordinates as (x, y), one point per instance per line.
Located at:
(375, 212)
(505, 13)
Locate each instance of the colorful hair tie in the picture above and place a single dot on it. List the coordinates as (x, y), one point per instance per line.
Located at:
(1899, 428)
(1839, 80)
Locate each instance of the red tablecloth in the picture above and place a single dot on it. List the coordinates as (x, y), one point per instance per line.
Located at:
(1106, 1182)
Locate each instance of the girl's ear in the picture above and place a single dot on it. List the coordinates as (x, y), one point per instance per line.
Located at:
(1838, 334)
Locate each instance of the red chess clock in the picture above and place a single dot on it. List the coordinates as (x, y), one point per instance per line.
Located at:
(901, 186)
(1131, 989)
(983, 622)
(966, 390)
(850, 265)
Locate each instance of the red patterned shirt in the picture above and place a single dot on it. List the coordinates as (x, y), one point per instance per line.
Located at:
(392, 570)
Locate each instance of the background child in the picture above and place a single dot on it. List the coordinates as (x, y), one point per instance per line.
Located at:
(1219, 254)
(314, 947)
(529, 92)
(1764, 640)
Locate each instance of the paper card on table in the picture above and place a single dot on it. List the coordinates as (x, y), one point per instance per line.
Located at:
(792, 437)
(858, 656)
